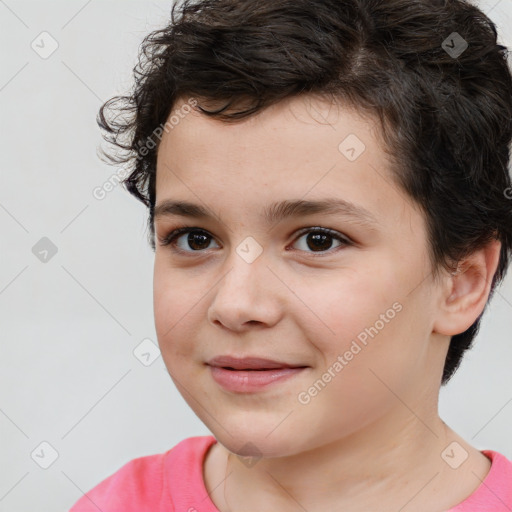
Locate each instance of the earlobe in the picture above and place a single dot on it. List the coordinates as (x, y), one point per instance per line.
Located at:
(466, 291)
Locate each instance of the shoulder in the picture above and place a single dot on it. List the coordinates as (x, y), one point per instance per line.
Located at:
(495, 491)
(501, 472)
(142, 484)
(501, 468)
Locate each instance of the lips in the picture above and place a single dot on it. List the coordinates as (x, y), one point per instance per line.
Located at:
(247, 375)
(249, 363)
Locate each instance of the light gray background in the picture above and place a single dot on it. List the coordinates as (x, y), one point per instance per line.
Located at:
(69, 326)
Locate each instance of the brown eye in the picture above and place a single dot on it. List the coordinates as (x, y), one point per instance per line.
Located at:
(197, 240)
(321, 240)
(316, 240)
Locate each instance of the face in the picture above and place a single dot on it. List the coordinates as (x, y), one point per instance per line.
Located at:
(352, 305)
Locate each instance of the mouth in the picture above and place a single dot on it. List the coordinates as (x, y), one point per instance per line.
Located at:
(250, 364)
(257, 369)
(251, 374)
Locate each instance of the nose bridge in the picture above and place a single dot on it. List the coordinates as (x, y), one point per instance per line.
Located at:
(241, 295)
(246, 266)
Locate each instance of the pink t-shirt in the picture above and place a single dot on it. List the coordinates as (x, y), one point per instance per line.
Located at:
(173, 482)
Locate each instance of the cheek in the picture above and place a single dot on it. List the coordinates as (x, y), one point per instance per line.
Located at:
(367, 324)
(359, 380)
(172, 293)
(380, 360)
(175, 311)
(353, 307)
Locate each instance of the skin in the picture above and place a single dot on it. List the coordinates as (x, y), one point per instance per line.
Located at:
(372, 438)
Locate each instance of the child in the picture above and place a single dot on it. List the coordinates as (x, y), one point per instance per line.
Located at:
(330, 209)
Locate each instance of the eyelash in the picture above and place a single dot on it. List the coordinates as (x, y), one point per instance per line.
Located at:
(169, 240)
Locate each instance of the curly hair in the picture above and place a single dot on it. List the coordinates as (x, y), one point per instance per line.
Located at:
(431, 71)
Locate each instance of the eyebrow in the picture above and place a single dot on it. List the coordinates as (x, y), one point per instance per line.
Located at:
(276, 211)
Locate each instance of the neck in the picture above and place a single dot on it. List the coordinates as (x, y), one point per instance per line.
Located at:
(387, 466)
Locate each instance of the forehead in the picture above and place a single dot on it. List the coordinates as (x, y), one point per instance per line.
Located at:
(298, 125)
(302, 148)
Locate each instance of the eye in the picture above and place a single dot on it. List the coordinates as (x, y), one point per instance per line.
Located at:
(197, 239)
(320, 239)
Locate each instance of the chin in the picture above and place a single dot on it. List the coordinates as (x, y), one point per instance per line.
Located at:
(258, 443)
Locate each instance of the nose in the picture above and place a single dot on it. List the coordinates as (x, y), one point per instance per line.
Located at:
(248, 294)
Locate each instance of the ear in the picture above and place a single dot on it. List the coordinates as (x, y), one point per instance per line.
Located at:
(464, 293)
